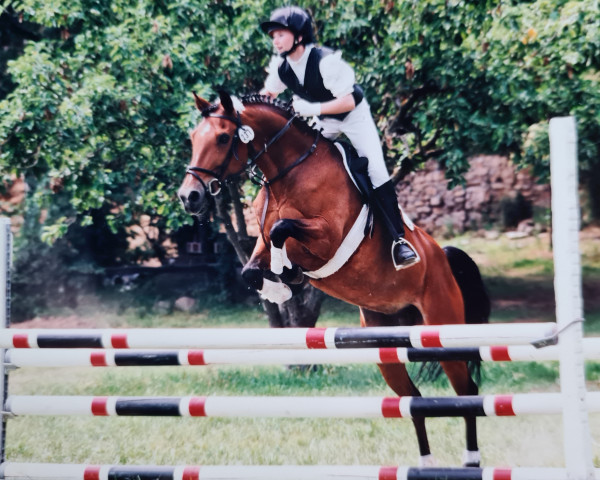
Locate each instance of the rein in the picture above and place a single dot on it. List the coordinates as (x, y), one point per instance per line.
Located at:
(213, 186)
(253, 156)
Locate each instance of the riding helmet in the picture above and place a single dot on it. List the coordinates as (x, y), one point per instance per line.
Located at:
(292, 18)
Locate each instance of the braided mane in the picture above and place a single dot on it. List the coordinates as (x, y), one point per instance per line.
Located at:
(283, 108)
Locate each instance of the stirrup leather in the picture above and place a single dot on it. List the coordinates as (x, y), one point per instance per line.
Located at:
(403, 241)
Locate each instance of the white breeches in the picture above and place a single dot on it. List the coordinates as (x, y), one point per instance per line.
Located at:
(361, 130)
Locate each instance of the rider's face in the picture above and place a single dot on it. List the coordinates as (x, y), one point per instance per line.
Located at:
(283, 40)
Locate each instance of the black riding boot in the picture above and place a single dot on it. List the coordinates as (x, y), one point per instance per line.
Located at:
(403, 253)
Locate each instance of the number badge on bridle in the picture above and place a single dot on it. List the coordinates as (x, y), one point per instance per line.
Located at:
(245, 134)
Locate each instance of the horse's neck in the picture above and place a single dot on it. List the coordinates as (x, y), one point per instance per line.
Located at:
(278, 162)
(321, 170)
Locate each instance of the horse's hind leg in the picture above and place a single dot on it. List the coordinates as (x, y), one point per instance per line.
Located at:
(396, 376)
(463, 384)
(451, 311)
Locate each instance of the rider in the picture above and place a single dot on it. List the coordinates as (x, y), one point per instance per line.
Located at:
(324, 86)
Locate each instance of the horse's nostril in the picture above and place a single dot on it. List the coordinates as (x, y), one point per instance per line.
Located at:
(194, 196)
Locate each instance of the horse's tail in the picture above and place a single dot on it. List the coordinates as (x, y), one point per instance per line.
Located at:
(475, 296)
(477, 307)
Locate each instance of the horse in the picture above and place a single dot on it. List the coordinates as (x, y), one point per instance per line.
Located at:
(309, 208)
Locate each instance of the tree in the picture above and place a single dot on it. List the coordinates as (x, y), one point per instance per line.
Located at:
(98, 117)
(100, 114)
(548, 54)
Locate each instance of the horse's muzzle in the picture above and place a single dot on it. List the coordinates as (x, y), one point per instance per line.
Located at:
(193, 200)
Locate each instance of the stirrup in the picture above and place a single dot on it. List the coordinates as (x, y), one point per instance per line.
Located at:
(414, 261)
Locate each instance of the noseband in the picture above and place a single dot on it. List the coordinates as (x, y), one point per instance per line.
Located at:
(213, 186)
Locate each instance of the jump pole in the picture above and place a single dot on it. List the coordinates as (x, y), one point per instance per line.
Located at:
(296, 407)
(82, 357)
(439, 336)
(49, 471)
(568, 292)
(5, 267)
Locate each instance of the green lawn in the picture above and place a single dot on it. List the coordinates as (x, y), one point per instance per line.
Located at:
(519, 277)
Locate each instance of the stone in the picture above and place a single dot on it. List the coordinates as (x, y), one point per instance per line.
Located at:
(162, 307)
(185, 304)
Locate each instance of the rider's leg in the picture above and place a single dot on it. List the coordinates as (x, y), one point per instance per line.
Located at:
(402, 252)
(360, 128)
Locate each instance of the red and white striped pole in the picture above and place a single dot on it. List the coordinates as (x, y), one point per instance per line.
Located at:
(440, 336)
(125, 358)
(46, 471)
(296, 407)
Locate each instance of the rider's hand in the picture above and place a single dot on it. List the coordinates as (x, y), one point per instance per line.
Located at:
(306, 109)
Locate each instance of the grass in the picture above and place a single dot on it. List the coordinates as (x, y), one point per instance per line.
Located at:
(272, 441)
(519, 277)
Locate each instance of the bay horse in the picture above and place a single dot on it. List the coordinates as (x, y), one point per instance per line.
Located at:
(309, 207)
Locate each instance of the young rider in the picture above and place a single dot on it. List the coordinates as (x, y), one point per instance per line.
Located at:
(324, 86)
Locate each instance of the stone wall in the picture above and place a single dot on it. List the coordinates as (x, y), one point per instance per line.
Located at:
(424, 195)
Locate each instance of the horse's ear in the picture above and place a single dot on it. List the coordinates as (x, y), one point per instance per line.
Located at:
(226, 101)
(201, 104)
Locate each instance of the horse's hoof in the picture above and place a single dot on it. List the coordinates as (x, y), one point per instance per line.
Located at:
(275, 292)
(471, 458)
(293, 275)
(427, 461)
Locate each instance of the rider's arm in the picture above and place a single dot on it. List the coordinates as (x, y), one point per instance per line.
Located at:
(339, 79)
(273, 84)
(338, 105)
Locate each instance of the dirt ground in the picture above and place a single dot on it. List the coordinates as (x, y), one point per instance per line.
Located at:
(71, 321)
(540, 300)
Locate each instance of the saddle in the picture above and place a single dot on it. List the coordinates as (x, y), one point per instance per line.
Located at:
(357, 168)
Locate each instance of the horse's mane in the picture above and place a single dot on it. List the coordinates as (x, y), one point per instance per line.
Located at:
(283, 108)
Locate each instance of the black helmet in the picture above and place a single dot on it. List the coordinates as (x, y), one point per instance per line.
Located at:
(295, 19)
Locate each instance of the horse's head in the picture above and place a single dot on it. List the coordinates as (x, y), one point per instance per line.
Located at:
(217, 143)
(224, 145)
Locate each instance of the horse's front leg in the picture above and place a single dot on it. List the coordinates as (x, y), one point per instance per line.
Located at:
(257, 275)
(316, 245)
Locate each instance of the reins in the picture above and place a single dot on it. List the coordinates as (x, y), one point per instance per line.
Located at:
(213, 186)
(253, 156)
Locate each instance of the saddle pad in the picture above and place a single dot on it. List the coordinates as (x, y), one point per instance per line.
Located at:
(407, 221)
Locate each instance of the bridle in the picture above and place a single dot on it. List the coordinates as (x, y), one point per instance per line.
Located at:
(213, 186)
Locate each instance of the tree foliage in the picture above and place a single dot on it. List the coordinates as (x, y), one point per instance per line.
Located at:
(99, 116)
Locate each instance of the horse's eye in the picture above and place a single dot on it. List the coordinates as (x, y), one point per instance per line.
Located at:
(223, 139)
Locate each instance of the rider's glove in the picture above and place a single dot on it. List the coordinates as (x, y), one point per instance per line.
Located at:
(306, 109)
